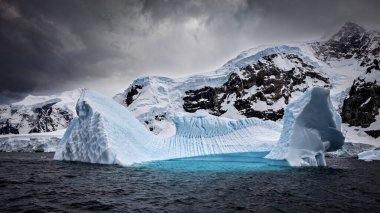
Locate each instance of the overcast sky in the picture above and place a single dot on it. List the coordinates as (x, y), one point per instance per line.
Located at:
(49, 46)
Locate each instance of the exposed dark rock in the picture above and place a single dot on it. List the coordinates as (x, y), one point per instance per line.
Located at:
(134, 91)
(272, 84)
(351, 41)
(159, 117)
(152, 123)
(44, 121)
(373, 133)
(7, 128)
(46, 118)
(362, 105)
(373, 66)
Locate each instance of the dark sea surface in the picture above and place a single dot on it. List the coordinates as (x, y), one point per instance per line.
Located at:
(224, 183)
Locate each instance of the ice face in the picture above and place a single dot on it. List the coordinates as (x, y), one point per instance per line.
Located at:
(311, 127)
(106, 132)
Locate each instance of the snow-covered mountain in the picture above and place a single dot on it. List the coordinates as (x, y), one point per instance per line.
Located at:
(36, 114)
(361, 106)
(261, 81)
(257, 83)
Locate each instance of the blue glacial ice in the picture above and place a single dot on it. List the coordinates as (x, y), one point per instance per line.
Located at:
(106, 132)
(311, 128)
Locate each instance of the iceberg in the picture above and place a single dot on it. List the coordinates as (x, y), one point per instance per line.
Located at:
(350, 150)
(369, 155)
(311, 128)
(106, 132)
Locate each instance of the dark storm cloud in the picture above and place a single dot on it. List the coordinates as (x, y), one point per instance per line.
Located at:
(52, 45)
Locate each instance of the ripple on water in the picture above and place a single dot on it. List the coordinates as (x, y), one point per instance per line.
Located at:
(236, 162)
(221, 183)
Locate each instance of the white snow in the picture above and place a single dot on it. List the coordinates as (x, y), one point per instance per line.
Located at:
(106, 132)
(66, 100)
(375, 125)
(162, 95)
(341, 73)
(233, 113)
(283, 63)
(369, 155)
(63, 101)
(228, 106)
(311, 127)
(253, 55)
(357, 134)
(374, 77)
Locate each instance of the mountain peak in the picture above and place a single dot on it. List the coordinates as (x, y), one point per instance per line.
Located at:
(351, 26)
(348, 30)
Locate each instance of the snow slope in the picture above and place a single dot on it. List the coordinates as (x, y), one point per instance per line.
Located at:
(36, 114)
(106, 132)
(151, 97)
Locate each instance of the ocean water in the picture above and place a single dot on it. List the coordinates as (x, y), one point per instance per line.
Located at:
(235, 162)
(242, 182)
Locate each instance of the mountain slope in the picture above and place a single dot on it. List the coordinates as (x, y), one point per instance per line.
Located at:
(361, 107)
(259, 82)
(254, 84)
(36, 114)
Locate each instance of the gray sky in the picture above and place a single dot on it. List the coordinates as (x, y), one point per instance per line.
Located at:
(48, 46)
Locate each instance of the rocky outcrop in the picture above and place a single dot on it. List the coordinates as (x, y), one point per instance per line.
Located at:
(130, 95)
(351, 41)
(263, 83)
(46, 118)
(362, 105)
(260, 82)
(37, 114)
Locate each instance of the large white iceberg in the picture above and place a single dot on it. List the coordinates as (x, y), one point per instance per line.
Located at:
(106, 132)
(369, 155)
(311, 128)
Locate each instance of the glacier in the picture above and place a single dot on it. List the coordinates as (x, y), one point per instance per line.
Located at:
(29, 143)
(106, 132)
(311, 128)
